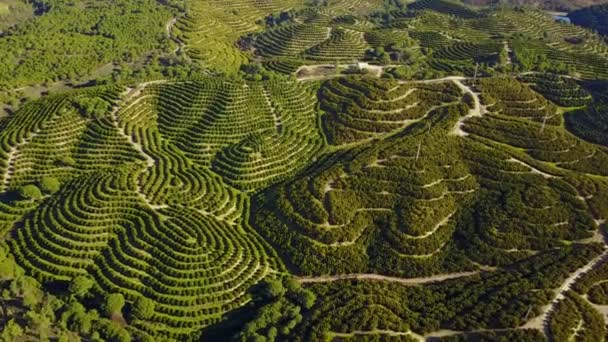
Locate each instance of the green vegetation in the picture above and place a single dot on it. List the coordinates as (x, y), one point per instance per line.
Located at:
(68, 41)
(593, 17)
(320, 170)
(30, 192)
(4, 8)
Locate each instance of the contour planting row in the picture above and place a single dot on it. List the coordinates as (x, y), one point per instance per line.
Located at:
(193, 266)
(215, 123)
(343, 44)
(169, 177)
(21, 126)
(290, 41)
(512, 98)
(551, 144)
(477, 52)
(394, 204)
(357, 109)
(40, 139)
(563, 91)
(445, 7)
(210, 30)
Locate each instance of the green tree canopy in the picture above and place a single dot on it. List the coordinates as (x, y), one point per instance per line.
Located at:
(49, 185)
(30, 192)
(143, 308)
(92, 107)
(272, 289)
(80, 286)
(114, 303)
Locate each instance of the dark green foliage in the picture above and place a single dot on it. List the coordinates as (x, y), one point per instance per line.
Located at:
(283, 305)
(499, 299)
(590, 123)
(400, 208)
(593, 17)
(573, 315)
(92, 107)
(271, 289)
(520, 335)
(563, 91)
(446, 7)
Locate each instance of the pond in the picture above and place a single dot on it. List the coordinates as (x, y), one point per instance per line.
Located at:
(563, 18)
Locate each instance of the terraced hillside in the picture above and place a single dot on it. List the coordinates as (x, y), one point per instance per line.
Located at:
(210, 30)
(317, 171)
(135, 212)
(464, 192)
(445, 37)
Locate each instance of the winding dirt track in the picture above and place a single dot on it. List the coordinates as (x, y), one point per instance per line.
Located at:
(373, 276)
(541, 322)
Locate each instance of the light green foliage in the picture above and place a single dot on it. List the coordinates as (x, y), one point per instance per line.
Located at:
(72, 39)
(92, 107)
(66, 161)
(28, 289)
(143, 308)
(80, 286)
(112, 331)
(77, 319)
(272, 289)
(39, 323)
(8, 268)
(49, 185)
(30, 192)
(11, 331)
(113, 303)
(182, 185)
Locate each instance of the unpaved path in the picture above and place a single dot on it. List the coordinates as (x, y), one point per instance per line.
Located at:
(373, 276)
(508, 52)
(440, 224)
(12, 159)
(127, 96)
(532, 169)
(541, 322)
(475, 111)
(180, 44)
(277, 120)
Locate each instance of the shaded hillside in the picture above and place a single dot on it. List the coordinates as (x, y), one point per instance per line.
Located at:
(594, 18)
(556, 5)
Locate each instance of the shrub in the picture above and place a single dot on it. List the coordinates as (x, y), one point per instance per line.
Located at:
(80, 286)
(30, 192)
(49, 185)
(143, 308)
(66, 161)
(113, 303)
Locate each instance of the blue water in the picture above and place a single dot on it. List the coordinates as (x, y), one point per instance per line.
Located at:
(561, 18)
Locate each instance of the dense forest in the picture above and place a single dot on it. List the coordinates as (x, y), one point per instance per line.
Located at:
(593, 17)
(554, 5)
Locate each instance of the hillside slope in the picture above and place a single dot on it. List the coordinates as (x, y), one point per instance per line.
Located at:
(593, 17)
(555, 5)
